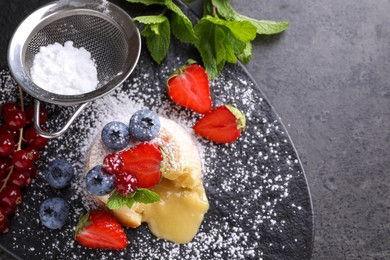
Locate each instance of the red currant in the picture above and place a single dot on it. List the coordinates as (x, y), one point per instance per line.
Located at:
(31, 172)
(15, 119)
(33, 153)
(126, 183)
(33, 139)
(10, 198)
(113, 163)
(4, 225)
(24, 159)
(7, 144)
(19, 179)
(42, 114)
(2, 214)
(5, 164)
(7, 107)
(5, 130)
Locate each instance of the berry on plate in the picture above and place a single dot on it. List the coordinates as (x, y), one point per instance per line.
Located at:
(33, 139)
(24, 159)
(223, 124)
(42, 114)
(144, 125)
(15, 119)
(99, 182)
(4, 223)
(54, 213)
(115, 135)
(98, 229)
(113, 163)
(8, 107)
(10, 198)
(59, 173)
(19, 179)
(144, 161)
(5, 164)
(189, 87)
(126, 183)
(7, 144)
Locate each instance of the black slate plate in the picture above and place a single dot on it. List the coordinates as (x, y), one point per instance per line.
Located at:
(260, 205)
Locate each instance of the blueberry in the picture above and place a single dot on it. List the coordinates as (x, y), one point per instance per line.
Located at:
(54, 213)
(115, 135)
(59, 173)
(144, 125)
(99, 182)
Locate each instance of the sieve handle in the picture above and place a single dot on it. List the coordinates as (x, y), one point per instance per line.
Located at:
(46, 134)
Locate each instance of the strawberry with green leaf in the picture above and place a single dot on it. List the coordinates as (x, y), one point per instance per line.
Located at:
(98, 229)
(223, 124)
(140, 169)
(189, 87)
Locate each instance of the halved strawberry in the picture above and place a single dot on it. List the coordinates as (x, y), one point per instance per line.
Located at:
(144, 161)
(223, 124)
(189, 87)
(98, 229)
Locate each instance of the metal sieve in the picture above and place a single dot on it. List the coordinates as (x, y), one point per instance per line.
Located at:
(102, 28)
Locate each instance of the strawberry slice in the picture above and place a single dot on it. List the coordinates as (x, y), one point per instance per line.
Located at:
(143, 161)
(189, 87)
(98, 229)
(223, 124)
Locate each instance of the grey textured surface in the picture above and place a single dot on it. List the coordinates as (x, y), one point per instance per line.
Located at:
(328, 78)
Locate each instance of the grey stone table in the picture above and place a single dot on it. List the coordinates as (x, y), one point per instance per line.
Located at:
(335, 103)
(328, 78)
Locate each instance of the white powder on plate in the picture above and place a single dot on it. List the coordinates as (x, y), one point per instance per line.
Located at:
(64, 69)
(251, 184)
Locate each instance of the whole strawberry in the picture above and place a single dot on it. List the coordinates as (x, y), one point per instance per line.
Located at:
(189, 87)
(223, 124)
(98, 229)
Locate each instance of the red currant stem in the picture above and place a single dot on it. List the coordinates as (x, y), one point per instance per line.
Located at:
(19, 144)
(11, 169)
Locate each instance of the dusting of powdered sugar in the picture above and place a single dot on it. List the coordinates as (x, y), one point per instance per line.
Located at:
(250, 183)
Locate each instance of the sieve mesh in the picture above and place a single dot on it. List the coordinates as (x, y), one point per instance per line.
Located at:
(105, 41)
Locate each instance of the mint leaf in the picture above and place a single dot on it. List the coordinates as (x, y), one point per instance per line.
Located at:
(207, 8)
(242, 30)
(224, 9)
(246, 55)
(263, 26)
(158, 37)
(205, 31)
(116, 201)
(145, 196)
(180, 24)
(150, 19)
(221, 41)
(223, 49)
(182, 28)
(221, 35)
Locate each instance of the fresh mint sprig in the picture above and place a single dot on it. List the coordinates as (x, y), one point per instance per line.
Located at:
(221, 35)
(141, 195)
